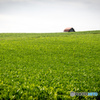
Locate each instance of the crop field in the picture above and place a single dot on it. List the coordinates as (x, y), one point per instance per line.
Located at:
(48, 66)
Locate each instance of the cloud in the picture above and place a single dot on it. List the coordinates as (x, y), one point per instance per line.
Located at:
(48, 15)
(87, 2)
(14, 0)
(90, 1)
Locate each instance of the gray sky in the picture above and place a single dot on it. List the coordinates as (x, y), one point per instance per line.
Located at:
(49, 15)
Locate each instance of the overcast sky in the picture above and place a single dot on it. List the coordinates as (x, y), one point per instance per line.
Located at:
(49, 15)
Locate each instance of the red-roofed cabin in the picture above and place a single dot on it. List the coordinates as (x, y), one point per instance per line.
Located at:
(69, 29)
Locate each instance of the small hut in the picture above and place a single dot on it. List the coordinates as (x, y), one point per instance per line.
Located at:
(70, 29)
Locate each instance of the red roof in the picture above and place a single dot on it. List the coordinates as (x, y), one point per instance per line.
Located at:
(67, 29)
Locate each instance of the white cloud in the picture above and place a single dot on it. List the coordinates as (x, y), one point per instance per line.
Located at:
(89, 1)
(48, 15)
(13, 0)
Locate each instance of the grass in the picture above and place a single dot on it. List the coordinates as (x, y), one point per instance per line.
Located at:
(49, 66)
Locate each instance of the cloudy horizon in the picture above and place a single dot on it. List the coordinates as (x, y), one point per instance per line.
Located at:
(41, 16)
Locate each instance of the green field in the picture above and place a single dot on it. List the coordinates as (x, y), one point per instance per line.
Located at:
(48, 66)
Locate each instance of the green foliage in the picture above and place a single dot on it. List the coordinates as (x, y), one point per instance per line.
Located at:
(49, 66)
